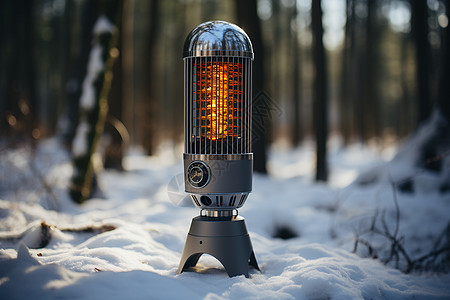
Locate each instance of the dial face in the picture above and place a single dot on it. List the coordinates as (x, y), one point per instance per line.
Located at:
(198, 174)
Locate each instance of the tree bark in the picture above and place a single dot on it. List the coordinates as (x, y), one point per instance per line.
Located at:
(296, 84)
(18, 101)
(116, 132)
(150, 105)
(80, 33)
(94, 108)
(358, 68)
(404, 110)
(320, 92)
(419, 24)
(370, 111)
(444, 90)
(346, 82)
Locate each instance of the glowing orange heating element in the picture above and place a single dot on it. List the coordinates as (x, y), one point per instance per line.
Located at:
(217, 89)
(217, 111)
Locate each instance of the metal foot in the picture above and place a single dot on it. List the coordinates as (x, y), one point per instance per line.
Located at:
(226, 239)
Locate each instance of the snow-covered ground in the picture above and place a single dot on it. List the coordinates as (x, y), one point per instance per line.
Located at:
(127, 244)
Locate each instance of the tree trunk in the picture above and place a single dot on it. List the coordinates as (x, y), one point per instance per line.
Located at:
(248, 19)
(116, 133)
(370, 111)
(93, 107)
(444, 90)
(18, 101)
(419, 22)
(82, 21)
(296, 84)
(358, 68)
(320, 92)
(434, 148)
(149, 113)
(404, 109)
(29, 71)
(346, 82)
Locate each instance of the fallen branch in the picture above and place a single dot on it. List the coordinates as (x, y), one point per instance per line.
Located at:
(46, 233)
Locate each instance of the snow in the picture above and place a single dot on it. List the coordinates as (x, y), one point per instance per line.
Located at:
(139, 258)
(95, 64)
(103, 25)
(94, 69)
(79, 144)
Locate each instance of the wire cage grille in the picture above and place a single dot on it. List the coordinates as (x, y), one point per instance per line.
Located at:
(218, 96)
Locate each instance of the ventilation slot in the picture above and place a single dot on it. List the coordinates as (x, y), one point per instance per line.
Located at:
(195, 200)
(232, 200)
(243, 197)
(219, 201)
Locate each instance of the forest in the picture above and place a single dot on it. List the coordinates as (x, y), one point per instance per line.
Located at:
(365, 71)
(350, 138)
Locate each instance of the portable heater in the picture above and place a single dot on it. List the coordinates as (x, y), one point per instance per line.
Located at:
(218, 158)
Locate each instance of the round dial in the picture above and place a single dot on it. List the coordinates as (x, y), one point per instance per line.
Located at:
(198, 174)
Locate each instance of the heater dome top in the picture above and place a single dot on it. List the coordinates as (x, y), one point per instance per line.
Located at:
(218, 38)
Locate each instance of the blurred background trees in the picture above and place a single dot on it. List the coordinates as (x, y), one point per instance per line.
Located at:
(385, 64)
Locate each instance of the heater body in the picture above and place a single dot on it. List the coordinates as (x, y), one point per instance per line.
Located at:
(218, 159)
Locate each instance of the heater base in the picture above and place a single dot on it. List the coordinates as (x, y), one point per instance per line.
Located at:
(226, 239)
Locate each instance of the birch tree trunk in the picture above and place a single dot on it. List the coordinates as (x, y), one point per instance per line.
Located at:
(93, 107)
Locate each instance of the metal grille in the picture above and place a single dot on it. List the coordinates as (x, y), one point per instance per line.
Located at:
(217, 95)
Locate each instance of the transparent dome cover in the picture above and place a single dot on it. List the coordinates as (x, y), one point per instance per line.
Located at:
(218, 38)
